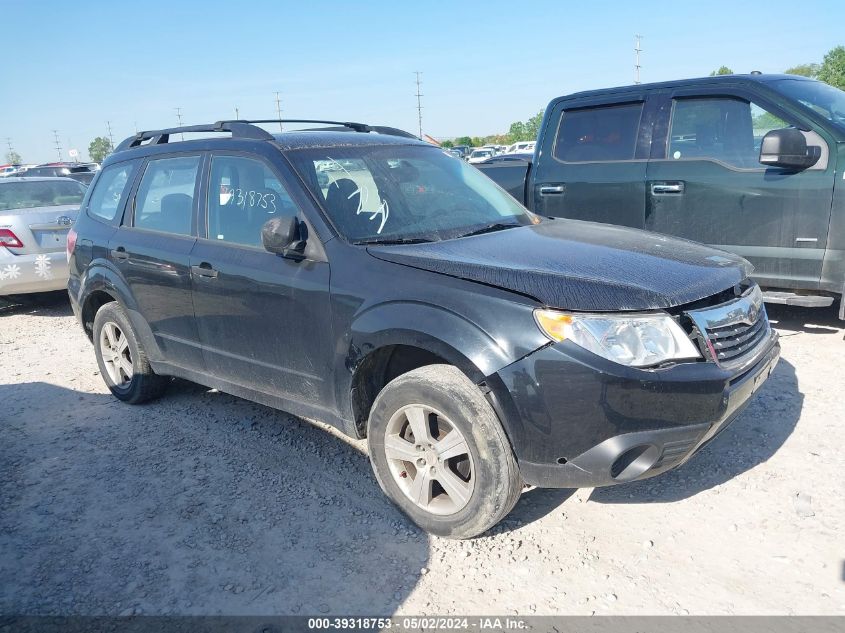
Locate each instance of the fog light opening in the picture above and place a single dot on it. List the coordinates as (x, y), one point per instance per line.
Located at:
(634, 462)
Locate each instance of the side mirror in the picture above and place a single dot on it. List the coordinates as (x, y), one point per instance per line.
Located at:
(788, 148)
(282, 236)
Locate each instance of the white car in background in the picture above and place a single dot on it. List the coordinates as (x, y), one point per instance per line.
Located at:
(35, 217)
(523, 147)
(481, 154)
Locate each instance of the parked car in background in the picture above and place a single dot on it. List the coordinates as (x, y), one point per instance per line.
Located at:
(463, 149)
(507, 159)
(520, 148)
(481, 154)
(82, 172)
(35, 217)
(407, 299)
(751, 164)
(8, 170)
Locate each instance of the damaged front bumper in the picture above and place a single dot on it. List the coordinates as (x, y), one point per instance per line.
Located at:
(576, 420)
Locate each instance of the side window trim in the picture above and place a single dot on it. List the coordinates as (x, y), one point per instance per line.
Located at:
(129, 214)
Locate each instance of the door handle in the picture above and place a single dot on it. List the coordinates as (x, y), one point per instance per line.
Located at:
(120, 254)
(204, 270)
(550, 190)
(667, 188)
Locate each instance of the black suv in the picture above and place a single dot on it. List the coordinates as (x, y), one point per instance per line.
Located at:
(367, 279)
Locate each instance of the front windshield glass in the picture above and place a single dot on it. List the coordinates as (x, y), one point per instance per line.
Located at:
(404, 193)
(824, 99)
(40, 193)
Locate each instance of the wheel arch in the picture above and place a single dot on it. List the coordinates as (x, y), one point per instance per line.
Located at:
(392, 339)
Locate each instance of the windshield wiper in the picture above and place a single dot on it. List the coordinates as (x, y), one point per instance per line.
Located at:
(395, 240)
(490, 228)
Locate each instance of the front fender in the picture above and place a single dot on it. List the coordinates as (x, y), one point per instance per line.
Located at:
(475, 351)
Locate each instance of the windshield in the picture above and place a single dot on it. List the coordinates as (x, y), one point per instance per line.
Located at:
(40, 193)
(404, 193)
(824, 99)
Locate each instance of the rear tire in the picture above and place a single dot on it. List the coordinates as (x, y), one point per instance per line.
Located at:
(122, 360)
(456, 476)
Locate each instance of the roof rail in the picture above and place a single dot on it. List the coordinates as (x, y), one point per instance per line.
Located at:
(242, 128)
(339, 125)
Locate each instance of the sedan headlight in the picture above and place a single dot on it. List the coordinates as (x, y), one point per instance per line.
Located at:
(637, 340)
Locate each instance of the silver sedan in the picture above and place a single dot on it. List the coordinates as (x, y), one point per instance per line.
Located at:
(35, 216)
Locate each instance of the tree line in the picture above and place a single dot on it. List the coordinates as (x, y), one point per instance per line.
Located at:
(831, 70)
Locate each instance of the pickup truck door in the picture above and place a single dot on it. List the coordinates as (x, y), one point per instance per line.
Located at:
(705, 183)
(592, 160)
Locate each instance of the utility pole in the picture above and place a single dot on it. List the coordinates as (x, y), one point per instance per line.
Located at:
(279, 111)
(58, 144)
(237, 114)
(179, 118)
(9, 143)
(419, 103)
(111, 137)
(637, 51)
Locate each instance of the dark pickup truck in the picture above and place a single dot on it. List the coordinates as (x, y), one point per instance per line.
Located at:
(751, 164)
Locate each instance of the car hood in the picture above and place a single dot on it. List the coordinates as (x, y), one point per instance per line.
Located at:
(578, 265)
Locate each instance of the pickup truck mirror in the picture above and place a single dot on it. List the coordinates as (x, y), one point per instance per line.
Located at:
(283, 236)
(788, 148)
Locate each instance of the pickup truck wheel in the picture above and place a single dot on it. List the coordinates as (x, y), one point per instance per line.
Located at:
(122, 361)
(440, 453)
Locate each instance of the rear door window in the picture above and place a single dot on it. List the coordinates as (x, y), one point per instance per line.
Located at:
(601, 134)
(165, 198)
(110, 192)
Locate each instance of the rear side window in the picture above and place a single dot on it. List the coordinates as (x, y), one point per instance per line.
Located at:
(110, 191)
(243, 194)
(607, 133)
(165, 199)
(723, 129)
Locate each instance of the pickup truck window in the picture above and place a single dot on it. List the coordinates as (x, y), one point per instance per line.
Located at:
(607, 133)
(400, 193)
(723, 129)
(824, 99)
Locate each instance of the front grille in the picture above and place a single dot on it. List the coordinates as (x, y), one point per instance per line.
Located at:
(731, 332)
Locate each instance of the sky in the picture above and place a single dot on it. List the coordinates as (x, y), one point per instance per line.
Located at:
(74, 66)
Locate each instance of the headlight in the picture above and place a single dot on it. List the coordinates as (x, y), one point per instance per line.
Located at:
(633, 340)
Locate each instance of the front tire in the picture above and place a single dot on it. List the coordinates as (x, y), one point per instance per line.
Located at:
(122, 360)
(439, 452)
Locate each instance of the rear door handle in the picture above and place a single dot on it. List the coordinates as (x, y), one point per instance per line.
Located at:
(204, 270)
(551, 190)
(120, 254)
(667, 188)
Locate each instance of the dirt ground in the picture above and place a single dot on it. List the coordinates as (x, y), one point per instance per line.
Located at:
(202, 503)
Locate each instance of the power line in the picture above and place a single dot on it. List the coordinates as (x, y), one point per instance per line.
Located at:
(58, 144)
(637, 51)
(179, 118)
(279, 111)
(419, 103)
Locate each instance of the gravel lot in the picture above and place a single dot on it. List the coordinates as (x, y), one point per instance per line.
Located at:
(202, 503)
